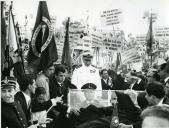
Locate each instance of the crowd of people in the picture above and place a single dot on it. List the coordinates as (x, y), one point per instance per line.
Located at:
(40, 100)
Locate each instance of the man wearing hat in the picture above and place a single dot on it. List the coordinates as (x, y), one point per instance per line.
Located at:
(12, 114)
(86, 73)
(89, 93)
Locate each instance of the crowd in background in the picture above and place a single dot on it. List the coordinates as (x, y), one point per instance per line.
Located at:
(27, 98)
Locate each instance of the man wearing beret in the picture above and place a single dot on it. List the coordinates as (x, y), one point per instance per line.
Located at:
(86, 73)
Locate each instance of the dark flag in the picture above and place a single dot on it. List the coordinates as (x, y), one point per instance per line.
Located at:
(118, 61)
(149, 37)
(66, 57)
(42, 50)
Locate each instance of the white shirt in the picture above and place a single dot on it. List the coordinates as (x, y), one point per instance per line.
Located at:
(161, 102)
(85, 75)
(27, 98)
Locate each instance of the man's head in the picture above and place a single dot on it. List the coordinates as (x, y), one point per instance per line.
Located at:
(49, 71)
(104, 74)
(154, 93)
(40, 94)
(152, 75)
(155, 117)
(164, 70)
(89, 91)
(8, 90)
(130, 78)
(28, 84)
(87, 58)
(60, 73)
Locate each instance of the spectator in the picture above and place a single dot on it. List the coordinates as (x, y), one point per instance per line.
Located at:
(106, 81)
(27, 98)
(58, 84)
(41, 98)
(43, 79)
(156, 117)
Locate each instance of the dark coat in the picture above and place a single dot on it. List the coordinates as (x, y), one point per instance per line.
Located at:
(35, 106)
(20, 97)
(140, 86)
(119, 83)
(105, 86)
(12, 115)
(56, 90)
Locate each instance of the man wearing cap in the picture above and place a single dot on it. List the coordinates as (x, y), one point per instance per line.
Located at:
(86, 73)
(12, 115)
(89, 93)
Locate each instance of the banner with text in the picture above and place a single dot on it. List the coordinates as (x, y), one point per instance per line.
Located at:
(111, 17)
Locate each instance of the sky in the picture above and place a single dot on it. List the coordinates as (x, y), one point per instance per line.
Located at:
(132, 12)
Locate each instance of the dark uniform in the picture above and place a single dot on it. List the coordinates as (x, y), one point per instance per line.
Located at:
(12, 115)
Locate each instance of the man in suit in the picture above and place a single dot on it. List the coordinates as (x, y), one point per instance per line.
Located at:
(27, 98)
(58, 87)
(135, 82)
(106, 81)
(59, 84)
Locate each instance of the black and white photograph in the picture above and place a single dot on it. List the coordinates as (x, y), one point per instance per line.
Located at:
(84, 64)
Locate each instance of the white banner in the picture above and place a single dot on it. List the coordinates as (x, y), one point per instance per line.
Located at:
(129, 55)
(111, 17)
(84, 44)
(97, 39)
(112, 44)
(162, 32)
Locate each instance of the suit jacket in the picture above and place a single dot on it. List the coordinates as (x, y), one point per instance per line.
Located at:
(35, 106)
(140, 86)
(56, 90)
(104, 85)
(12, 115)
(119, 83)
(21, 98)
